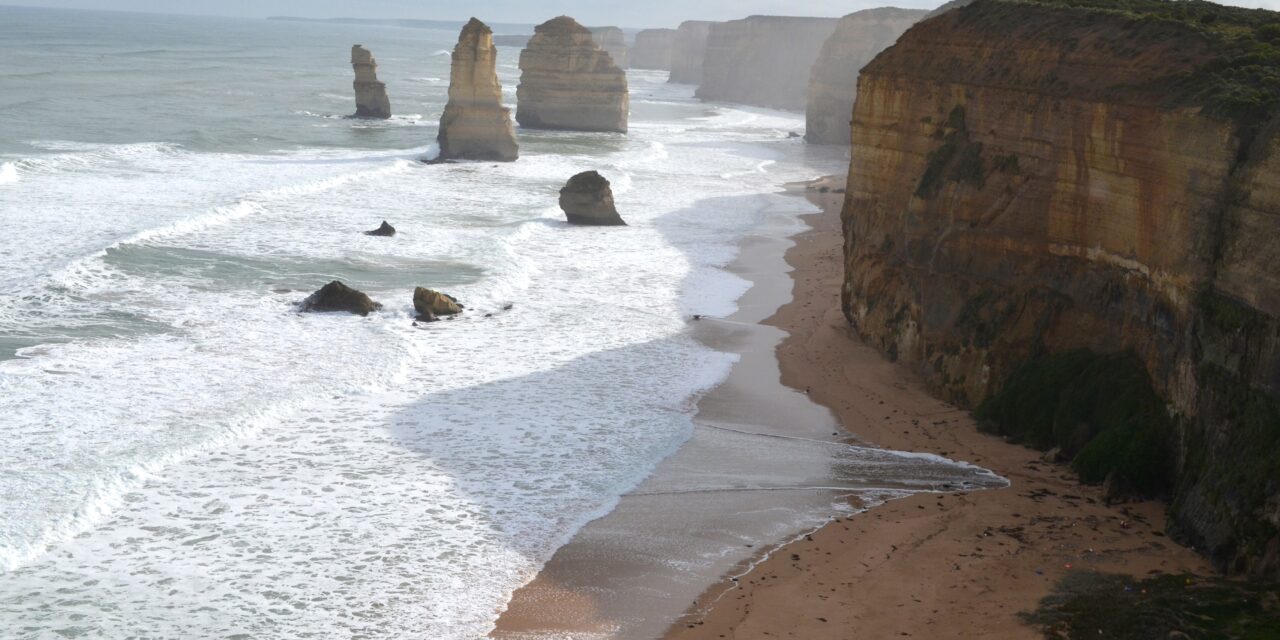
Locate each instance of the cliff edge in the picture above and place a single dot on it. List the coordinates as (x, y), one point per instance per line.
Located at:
(1067, 215)
(763, 60)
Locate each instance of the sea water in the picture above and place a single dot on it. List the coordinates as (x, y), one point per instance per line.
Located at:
(187, 455)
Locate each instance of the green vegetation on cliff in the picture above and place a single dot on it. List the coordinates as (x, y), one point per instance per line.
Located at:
(1100, 411)
(1094, 605)
(1242, 83)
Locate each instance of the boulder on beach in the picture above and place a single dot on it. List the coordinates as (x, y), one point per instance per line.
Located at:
(588, 200)
(385, 231)
(475, 125)
(371, 95)
(431, 304)
(336, 296)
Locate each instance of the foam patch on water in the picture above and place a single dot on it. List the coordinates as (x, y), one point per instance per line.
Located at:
(8, 173)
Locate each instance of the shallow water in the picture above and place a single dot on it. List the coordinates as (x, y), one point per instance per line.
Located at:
(187, 456)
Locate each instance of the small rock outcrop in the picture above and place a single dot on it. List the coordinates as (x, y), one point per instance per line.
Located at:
(763, 60)
(431, 304)
(833, 83)
(371, 95)
(613, 41)
(568, 82)
(652, 49)
(588, 200)
(336, 296)
(688, 51)
(475, 125)
(385, 230)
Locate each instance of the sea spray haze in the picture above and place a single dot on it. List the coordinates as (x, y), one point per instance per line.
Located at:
(186, 455)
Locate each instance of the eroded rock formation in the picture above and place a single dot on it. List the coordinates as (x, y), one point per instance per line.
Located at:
(385, 230)
(371, 95)
(652, 49)
(337, 296)
(688, 52)
(1030, 181)
(475, 125)
(568, 82)
(613, 41)
(763, 60)
(833, 82)
(587, 199)
(431, 305)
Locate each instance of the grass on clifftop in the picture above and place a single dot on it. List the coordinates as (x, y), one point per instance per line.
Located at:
(1243, 83)
(1094, 605)
(1099, 410)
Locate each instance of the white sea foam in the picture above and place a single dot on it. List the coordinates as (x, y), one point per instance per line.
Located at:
(8, 173)
(252, 470)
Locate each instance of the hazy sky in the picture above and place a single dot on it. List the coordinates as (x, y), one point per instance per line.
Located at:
(627, 13)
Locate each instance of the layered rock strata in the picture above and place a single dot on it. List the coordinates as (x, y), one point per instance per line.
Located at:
(652, 49)
(614, 42)
(833, 82)
(475, 125)
(1031, 179)
(568, 82)
(763, 60)
(587, 199)
(371, 95)
(688, 52)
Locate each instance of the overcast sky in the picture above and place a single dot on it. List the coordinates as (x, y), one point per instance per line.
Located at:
(626, 13)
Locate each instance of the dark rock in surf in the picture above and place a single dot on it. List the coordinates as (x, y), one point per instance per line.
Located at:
(384, 231)
(588, 200)
(336, 296)
(431, 304)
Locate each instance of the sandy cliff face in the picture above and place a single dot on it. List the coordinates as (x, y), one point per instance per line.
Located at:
(652, 49)
(614, 41)
(763, 60)
(569, 82)
(371, 95)
(688, 52)
(475, 125)
(1021, 184)
(833, 83)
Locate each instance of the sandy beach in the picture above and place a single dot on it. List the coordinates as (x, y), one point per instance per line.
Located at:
(960, 565)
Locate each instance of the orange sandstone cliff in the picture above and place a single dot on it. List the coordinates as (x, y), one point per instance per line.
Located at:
(1032, 180)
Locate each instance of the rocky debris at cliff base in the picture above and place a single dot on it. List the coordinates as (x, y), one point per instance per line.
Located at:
(383, 231)
(431, 305)
(371, 95)
(337, 296)
(587, 199)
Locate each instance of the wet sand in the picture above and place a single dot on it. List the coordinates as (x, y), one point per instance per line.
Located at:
(959, 565)
(763, 465)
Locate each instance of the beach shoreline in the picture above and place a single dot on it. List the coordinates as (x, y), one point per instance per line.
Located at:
(952, 565)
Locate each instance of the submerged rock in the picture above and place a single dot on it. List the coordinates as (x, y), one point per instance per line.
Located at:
(475, 125)
(568, 82)
(431, 304)
(371, 95)
(385, 231)
(336, 296)
(588, 200)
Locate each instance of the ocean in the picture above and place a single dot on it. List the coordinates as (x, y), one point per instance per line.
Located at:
(187, 455)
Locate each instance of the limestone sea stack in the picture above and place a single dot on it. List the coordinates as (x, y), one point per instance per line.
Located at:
(763, 60)
(475, 125)
(688, 51)
(371, 95)
(588, 200)
(1068, 218)
(614, 41)
(652, 49)
(833, 83)
(568, 82)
